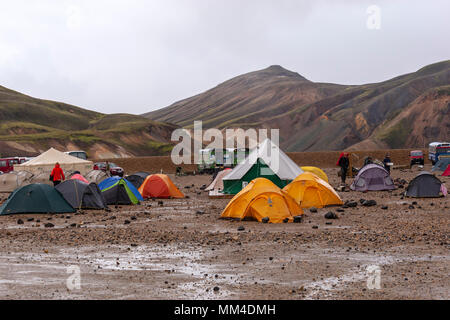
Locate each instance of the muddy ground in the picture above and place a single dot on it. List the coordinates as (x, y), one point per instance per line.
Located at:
(181, 250)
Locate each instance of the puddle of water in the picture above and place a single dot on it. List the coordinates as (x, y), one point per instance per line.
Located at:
(330, 285)
(177, 261)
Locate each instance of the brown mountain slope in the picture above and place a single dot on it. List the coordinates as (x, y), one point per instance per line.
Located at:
(29, 126)
(425, 119)
(311, 116)
(242, 100)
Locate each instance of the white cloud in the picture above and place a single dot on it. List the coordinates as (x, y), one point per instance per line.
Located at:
(134, 56)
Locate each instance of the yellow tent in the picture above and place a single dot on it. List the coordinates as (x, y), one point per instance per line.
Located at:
(259, 199)
(309, 190)
(318, 172)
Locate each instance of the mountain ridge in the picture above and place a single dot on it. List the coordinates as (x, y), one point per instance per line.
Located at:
(311, 116)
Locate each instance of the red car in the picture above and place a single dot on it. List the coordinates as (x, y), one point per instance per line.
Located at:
(7, 164)
(114, 169)
(416, 157)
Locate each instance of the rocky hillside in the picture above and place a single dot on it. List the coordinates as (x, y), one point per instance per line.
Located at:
(29, 126)
(405, 112)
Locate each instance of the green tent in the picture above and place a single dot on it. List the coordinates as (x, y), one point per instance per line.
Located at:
(266, 161)
(36, 198)
(117, 190)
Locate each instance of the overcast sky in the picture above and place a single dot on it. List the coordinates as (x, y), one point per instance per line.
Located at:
(137, 56)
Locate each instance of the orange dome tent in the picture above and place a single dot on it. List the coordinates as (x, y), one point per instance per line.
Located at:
(260, 199)
(159, 186)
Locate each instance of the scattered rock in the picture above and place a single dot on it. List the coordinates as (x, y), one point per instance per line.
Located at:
(351, 204)
(49, 225)
(19, 221)
(127, 222)
(240, 228)
(216, 289)
(313, 209)
(265, 220)
(369, 203)
(331, 215)
(384, 207)
(298, 219)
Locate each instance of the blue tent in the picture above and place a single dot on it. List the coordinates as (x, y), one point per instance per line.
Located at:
(115, 180)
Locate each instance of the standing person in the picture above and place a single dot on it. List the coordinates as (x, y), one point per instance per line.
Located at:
(386, 161)
(344, 163)
(57, 175)
(107, 167)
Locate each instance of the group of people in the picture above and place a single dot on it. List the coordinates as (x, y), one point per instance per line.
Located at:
(344, 163)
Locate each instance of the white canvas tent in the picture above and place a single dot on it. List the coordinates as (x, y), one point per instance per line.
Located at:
(268, 161)
(217, 184)
(45, 162)
(286, 169)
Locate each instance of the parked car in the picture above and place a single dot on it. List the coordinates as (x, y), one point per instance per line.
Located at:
(114, 169)
(416, 157)
(7, 164)
(77, 154)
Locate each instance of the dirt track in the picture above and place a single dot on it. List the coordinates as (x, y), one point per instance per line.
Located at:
(173, 251)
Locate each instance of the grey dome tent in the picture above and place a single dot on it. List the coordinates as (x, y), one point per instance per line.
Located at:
(14, 179)
(372, 177)
(138, 178)
(425, 185)
(36, 198)
(82, 195)
(96, 176)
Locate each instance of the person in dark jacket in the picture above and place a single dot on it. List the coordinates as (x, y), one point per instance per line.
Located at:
(344, 163)
(57, 175)
(386, 161)
(368, 160)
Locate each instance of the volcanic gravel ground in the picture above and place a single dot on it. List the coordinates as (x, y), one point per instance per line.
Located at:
(179, 249)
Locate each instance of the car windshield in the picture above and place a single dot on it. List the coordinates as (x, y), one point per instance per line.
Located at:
(416, 154)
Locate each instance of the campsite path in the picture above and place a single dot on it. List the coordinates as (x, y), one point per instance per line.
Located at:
(181, 250)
